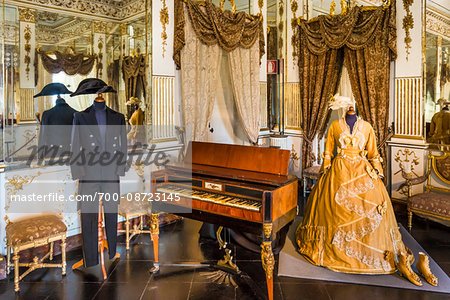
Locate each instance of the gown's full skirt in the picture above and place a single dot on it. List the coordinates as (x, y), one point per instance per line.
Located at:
(349, 224)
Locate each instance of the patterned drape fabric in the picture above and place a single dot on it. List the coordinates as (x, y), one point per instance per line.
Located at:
(214, 26)
(318, 80)
(70, 63)
(244, 68)
(199, 75)
(368, 39)
(133, 70)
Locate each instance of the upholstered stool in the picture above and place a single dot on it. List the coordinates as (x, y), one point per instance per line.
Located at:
(132, 209)
(31, 233)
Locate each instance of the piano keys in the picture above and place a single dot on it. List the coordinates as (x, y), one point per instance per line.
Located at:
(245, 188)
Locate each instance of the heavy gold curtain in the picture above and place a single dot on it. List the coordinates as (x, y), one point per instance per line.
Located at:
(367, 38)
(214, 26)
(133, 70)
(70, 63)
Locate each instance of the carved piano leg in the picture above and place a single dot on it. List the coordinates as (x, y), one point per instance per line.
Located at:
(154, 230)
(268, 262)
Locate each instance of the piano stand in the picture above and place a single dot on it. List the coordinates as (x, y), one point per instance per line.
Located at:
(102, 243)
(227, 259)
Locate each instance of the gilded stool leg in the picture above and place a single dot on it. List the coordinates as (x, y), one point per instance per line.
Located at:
(63, 254)
(8, 259)
(127, 229)
(410, 215)
(16, 270)
(141, 224)
(51, 251)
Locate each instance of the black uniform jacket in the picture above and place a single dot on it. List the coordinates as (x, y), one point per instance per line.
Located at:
(56, 126)
(92, 158)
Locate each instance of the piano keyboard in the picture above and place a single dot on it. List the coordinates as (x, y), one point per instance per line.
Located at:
(233, 201)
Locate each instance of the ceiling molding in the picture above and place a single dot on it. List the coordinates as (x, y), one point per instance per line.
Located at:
(437, 23)
(105, 10)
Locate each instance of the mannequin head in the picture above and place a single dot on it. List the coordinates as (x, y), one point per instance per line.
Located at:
(351, 110)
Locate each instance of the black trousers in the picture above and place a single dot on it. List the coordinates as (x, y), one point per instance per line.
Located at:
(89, 219)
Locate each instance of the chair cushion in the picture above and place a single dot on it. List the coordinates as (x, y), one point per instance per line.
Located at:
(436, 203)
(134, 206)
(34, 228)
(312, 172)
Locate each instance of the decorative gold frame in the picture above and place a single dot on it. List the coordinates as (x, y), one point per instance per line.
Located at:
(433, 159)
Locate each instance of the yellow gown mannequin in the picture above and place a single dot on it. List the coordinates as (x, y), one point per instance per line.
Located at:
(349, 224)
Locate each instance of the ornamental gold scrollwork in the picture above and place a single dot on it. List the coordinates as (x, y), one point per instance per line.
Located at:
(295, 35)
(294, 156)
(154, 224)
(233, 5)
(139, 168)
(164, 19)
(267, 259)
(260, 5)
(332, 8)
(100, 57)
(408, 24)
(27, 15)
(17, 182)
(100, 27)
(27, 47)
(280, 24)
(407, 159)
(267, 227)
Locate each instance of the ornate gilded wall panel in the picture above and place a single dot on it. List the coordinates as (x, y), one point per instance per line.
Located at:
(292, 105)
(163, 120)
(26, 105)
(263, 95)
(408, 116)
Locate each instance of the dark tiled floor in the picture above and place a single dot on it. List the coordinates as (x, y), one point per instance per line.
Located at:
(130, 278)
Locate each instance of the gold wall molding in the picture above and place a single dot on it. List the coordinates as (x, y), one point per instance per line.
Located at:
(408, 117)
(280, 24)
(26, 105)
(27, 15)
(27, 34)
(408, 24)
(16, 183)
(437, 23)
(292, 112)
(163, 112)
(100, 27)
(295, 35)
(263, 101)
(164, 19)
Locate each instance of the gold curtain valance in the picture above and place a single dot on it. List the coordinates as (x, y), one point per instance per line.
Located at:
(355, 30)
(70, 63)
(214, 26)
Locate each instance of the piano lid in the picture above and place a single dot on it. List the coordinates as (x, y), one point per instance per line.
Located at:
(252, 163)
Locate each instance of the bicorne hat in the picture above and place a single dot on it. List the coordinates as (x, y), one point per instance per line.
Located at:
(92, 86)
(54, 88)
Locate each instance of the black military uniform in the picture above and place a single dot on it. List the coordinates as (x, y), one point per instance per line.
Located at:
(56, 123)
(98, 175)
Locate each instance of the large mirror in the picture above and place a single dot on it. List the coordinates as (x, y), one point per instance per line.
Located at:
(49, 39)
(437, 88)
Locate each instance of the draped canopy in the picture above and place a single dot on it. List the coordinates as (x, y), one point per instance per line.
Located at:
(364, 40)
(70, 63)
(214, 26)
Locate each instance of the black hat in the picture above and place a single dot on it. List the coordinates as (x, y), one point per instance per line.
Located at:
(53, 89)
(92, 86)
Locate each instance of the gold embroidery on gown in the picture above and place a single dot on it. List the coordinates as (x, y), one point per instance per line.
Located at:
(349, 224)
